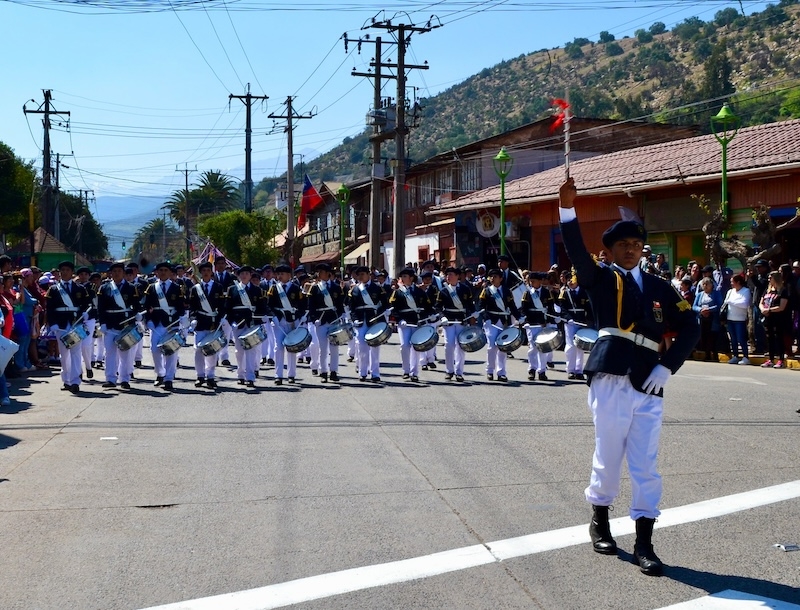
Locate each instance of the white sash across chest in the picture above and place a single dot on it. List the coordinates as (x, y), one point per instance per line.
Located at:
(162, 300)
(285, 304)
(366, 296)
(454, 297)
(412, 304)
(323, 288)
(203, 299)
(118, 297)
(66, 298)
(244, 296)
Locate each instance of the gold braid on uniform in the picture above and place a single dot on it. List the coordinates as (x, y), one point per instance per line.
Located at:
(619, 305)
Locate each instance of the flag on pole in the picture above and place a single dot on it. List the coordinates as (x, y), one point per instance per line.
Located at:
(310, 200)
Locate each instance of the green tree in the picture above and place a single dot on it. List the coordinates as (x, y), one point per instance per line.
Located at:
(613, 49)
(717, 74)
(688, 28)
(643, 36)
(18, 185)
(726, 16)
(245, 238)
(658, 28)
(217, 193)
(573, 51)
(606, 36)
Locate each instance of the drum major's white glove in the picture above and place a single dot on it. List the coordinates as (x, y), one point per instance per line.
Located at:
(265, 319)
(139, 317)
(657, 380)
(85, 316)
(317, 322)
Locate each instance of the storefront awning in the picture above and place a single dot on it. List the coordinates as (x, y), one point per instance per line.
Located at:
(352, 258)
(326, 257)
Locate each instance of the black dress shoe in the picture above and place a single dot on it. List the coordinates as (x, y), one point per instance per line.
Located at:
(64, 388)
(125, 385)
(542, 376)
(240, 381)
(200, 381)
(74, 388)
(251, 384)
(510, 355)
(89, 373)
(109, 384)
(532, 375)
(263, 361)
(490, 376)
(314, 372)
(448, 376)
(334, 376)
(270, 361)
(364, 379)
(159, 381)
(211, 384)
(460, 378)
(168, 386)
(279, 382)
(350, 358)
(432, 365)
(226, 362)
(571, 376)
(551, 365)
(323, 377)
(406, 375)
(502, 378)
(414, 378)
(376, 380)
(137, 364)
(291, 379)
(424, 367)
(308, 359)
(580, 376)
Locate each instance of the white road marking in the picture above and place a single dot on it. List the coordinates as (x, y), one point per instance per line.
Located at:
(749, 380)
(357, 579)
(732, 600)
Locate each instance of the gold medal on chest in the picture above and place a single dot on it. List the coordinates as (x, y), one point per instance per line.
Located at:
(657, 313)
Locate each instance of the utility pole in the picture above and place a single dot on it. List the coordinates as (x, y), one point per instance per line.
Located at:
(186, 171)
(57, 197)
(377, 167)
(247, 99)
(289, 117)
(403, 34)
(48, 218)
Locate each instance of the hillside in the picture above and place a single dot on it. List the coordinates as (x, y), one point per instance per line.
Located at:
(668, 76)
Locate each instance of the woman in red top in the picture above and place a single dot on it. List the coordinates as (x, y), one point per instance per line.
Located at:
(6, 327)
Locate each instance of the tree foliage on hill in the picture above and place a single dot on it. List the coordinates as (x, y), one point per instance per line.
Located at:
(244, 238)
(80, 231)
(19, 184)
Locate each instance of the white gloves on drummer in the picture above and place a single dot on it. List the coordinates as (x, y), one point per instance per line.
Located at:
(657, 380)
(139, 317)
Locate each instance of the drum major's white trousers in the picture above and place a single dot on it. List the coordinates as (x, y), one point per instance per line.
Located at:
(268, 346)
(165, 366)
(327, 353)
(627, 424)
(282, 328)
(409, 357)
(369, 358)
(314, 348)
(536, 359)
(453, 354)
(495, 359)
(204, 366)
(119, 363)
(573, 354)
(246, 359)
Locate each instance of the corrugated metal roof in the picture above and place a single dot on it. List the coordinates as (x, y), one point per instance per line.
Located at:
(763, 146)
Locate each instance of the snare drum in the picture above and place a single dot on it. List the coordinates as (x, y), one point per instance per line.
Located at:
(128, 337)
(585, 339)
(213, 343)
(549, 340)
(254, 336)
(378, 334)
(341, 333)
(424, 338)
(74, 336)
(472, 338)
(171, 343)
(509, 340)
(297, 340)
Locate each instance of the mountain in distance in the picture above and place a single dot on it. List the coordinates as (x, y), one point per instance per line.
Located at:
(677, 76)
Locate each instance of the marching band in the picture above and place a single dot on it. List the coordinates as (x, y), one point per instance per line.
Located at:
(273, 316)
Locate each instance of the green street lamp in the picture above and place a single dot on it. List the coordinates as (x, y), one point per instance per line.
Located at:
(502, 167)
(344, 198)
(725, 125)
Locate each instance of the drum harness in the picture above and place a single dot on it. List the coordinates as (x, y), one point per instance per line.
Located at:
(204, 303)
(67, 300)
(286, 306)
(162, 301)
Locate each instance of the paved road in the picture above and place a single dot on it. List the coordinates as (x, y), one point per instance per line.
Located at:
(135, 500)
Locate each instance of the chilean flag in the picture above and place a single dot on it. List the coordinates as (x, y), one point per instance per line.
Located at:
(311, 199)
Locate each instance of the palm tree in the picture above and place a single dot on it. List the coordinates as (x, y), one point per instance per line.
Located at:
(176, 206)
(217, 193)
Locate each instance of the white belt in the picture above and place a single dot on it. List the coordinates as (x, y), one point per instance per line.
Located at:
(66, 309)
(117, 310)
(630, 336)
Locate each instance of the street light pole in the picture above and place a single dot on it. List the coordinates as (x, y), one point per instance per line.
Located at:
(725, 125)
(344, 198)
(503, 163)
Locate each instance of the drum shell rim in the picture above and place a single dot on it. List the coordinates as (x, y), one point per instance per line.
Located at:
(428, 343)
(556, 342)
(298, 347)
(257, 331)
(479, 333)
(512, 345)
(381, 337)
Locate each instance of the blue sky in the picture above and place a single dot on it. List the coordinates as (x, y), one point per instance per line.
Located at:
(149, 92)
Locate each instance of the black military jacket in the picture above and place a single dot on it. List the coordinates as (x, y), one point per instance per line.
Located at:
(402, 309)
(175, 301)
(317, 307)
(359, 310)
(535, 316)
(58, 312)
(492, 308)
(215, 294)
(109, 311)
(445, 306)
